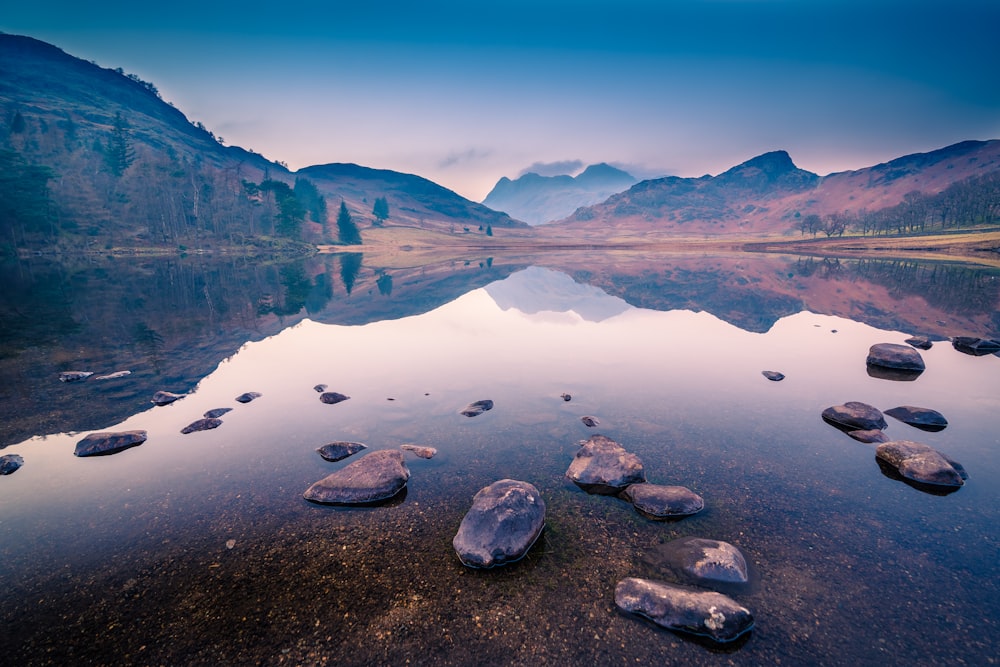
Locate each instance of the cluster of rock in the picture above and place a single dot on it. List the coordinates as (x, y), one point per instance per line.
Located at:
(918, 464)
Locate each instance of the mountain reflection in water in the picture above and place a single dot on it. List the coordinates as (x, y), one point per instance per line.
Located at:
(199, 548)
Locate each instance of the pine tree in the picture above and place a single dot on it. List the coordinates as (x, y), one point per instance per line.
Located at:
(119, 153)
(381, 210)
(346, 229)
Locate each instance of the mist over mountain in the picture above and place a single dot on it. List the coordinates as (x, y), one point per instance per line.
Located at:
(537, 199)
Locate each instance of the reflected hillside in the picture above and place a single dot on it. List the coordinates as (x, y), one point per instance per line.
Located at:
(171, 322)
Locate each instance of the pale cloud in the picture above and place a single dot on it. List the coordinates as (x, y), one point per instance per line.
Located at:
(463, 158)
(558, 168)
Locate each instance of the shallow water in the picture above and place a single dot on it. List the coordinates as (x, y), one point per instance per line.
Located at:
(199, 548)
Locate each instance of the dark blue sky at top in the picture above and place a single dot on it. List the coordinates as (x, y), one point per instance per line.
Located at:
(466, 92)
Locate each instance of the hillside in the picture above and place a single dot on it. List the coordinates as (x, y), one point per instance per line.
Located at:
(769, 195)
(92, 158)
(537, 199)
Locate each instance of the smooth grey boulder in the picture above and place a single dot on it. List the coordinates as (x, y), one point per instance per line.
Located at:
(977, 347)
(663, 502)
(773, 376)
(869, 436)
(375, 477)
(920, 342)
(165, 397)
(895, 356)
(206, 424)
(420, 451)
(923, 418)
(855, 416)
(332, 397)
(477, 408)
(216, 413)
(706, 561)
(603, 466)
(109, 442)
(505, 519)
(248, 396)
(336, 451)
(920, 463)
(703, 613)
(9, 463)
(74, 376)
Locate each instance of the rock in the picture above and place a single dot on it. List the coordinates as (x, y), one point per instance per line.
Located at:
(661, 502)
(320, 388)
(74, 376)
(603, 466)
(216, 413)
(704, 613)
(921, 463)
(706, 561)
(855, 416)
(895, 357)
(774, 376)
(9, 463)
(336, 451)
(108, 442)
(923, 418)
(422, 452)
(477, 408)
(977, 347)
(869, 436)
(165, 397)
(113, 376)
(565, 397)
(375, 477)
(920, 342)
(247, 397)
(202, 425)
(504, 521)
(590, 421)
(332, 397)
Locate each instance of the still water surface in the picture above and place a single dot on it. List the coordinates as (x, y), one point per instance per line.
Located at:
(199, 549)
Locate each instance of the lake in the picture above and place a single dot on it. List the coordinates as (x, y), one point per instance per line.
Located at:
(200, 549)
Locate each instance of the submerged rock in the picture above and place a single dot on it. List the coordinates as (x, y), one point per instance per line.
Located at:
(603, 466)
(855, 416)
(332, 397)
(336, 451)
(165, 397)
(923, 418)
(418, 450)
(895, 356)
(704, 613)
(920, 342)
(216, 413)
(977, 347)
(663, 502)
(202, 425)
(565, 397)
(477, 408)
(774, 376)
(590, 421)
(109, 442)
(505, 519)
(375, 477)
(113, 376)
(706, 561)
(922, 464)
(248, 396)
(9, 463)
(869, 436)
(74, 376)
(320, 388)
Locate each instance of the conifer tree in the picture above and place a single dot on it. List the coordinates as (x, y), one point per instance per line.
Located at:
(346, 229)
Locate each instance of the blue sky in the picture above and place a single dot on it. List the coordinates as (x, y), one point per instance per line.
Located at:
(466, 92)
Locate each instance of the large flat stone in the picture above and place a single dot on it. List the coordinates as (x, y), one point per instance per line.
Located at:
(504, 521)
(375, 477)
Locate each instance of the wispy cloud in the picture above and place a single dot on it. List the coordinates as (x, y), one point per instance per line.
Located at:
(568, 167)
(461, 158)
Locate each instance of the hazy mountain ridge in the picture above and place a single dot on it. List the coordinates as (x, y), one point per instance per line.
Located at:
(537, 199)
(769, 194)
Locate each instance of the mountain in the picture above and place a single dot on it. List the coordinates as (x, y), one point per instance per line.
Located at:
(537, 199)
(412, 201)
(536, 290)
(770, 195)
(93, 158)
